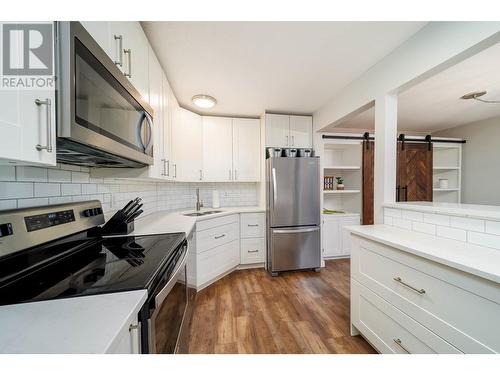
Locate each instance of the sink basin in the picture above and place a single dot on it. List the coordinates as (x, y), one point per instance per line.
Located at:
(203, 213)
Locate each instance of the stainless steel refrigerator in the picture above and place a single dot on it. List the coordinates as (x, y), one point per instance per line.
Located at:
(293, 214)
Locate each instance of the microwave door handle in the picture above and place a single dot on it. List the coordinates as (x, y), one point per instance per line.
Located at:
(138, 131)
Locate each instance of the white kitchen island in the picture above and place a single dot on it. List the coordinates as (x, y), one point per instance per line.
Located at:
(413, 292)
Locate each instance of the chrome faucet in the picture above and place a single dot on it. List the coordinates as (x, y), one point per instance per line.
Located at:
(199, 203)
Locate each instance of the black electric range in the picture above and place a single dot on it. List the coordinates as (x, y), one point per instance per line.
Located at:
(81, 265)
(57, 252)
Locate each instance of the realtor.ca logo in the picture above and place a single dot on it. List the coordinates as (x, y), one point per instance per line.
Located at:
(27, 56)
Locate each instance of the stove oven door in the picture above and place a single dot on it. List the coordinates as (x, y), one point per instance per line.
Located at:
(166, 321)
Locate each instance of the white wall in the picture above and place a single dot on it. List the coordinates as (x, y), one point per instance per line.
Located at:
(480, 160)
(34, 186)
(434, 48)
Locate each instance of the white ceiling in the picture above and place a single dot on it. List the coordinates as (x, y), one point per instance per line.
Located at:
(250, 67)
(435, 105)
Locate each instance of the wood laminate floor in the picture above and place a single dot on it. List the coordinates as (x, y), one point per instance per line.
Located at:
(249, 311)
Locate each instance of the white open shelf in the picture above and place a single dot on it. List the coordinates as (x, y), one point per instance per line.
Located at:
(447, 164)
(343, 167)
(341, 191)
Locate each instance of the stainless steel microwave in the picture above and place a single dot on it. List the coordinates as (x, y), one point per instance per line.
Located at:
(102, 119)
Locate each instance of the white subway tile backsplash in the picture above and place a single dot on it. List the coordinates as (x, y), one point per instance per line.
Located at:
(424, 227)
(57, 175)
(484, 239)
(392, 212)
(47, 189)
(8, 204)
(493, 227)
(7, 173)
(66, 183)
(412, 215)
(452, 233)
(79, 177)
(31, 174)
(467, 223)
(71, 189)
(32, 202)
(401, 223)
(437, 219)
(10, 190)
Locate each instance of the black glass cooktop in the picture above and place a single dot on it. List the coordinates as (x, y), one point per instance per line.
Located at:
(79, 265)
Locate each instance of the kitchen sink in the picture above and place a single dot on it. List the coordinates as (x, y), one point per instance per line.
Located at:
(203, 213)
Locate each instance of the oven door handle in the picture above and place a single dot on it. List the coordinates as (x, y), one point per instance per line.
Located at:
(160, 297)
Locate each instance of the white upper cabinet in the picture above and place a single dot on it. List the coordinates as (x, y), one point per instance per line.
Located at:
(300, 131)
(99, 30)
(217, 149)
(166, 136)
(288, 131)
(131, 53)
(277, 130)
(156, 102)
(27, 120)
(187, 147)
(246, 149)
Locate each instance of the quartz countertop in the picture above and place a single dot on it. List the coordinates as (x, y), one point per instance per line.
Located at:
(478, 211)
(477, 260)
(176, 222)
(88, 324)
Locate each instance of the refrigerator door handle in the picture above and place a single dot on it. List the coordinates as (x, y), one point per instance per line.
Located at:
(275, 190)
(298, 230)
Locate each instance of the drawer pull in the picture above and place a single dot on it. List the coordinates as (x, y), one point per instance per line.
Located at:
(253, 251)
(133, 326)
(253, 225)
(399, 280)
(400, 344)
(217, 237)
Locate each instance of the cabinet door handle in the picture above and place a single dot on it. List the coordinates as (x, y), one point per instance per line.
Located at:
(253, 251)
(253, 225)
(47, 102)
(400, 344)
(399, 280)
(164, 167)
(293, 140)
(220, 236)
(175, 170)
(286, 140)
(229, 175)
(129, 54)
(119, 60)
(201, 174)
(132, 327)
(235, 175)
(168, 167)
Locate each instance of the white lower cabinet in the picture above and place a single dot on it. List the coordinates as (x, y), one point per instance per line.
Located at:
(221, 244)
(253, 241)
(423, 298)
(336, 241)
(128, 341)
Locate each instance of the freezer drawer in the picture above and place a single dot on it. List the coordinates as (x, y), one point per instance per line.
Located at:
(294, 248)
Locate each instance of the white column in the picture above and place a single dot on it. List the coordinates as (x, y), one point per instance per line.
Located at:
(386, 129)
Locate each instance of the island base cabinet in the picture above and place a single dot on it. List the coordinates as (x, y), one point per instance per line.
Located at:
(389, 329)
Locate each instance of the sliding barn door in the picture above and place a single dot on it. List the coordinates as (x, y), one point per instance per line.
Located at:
(368, 177)
(414, 172)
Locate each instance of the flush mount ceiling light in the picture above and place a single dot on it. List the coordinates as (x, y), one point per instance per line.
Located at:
(204, 101)
(476, 95)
